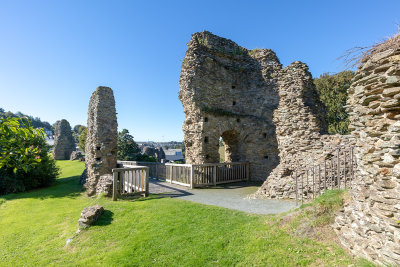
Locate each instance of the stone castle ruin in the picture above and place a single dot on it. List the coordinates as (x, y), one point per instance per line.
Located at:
(101, 141)
(156, 152)
(271, 117)
(266, 115)
(64, 143)
(369, 225)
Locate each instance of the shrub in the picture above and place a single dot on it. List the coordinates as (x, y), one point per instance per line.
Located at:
(25, 162)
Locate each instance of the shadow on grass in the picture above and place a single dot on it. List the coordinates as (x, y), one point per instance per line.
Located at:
(105, 219)
(66, 187)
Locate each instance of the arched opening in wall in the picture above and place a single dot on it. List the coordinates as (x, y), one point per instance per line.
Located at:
(221, 150)
(229, 146)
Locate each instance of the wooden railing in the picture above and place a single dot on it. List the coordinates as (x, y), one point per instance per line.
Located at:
(156, 169)
(130, 180)
(195, 175)
(337, 171)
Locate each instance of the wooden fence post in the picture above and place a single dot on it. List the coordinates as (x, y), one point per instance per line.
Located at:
(338, 168)
(115, 186)
(171, 174)
(215, 175)
(191, 176)
(248, 171)
(146, 193)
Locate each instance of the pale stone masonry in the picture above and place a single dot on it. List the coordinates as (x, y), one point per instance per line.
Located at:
(64, 143)
(300, 129)
(101, 141)
(230, 92)
(266, 115)
(369, 224)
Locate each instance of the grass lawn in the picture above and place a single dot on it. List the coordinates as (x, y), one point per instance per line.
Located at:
(34, 227)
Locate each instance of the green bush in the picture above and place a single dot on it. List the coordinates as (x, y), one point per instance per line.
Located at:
(25, 162)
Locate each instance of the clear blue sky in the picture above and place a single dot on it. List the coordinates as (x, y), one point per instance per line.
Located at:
(53, 54)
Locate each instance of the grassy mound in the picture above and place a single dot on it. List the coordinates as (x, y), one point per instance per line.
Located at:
(155, 231)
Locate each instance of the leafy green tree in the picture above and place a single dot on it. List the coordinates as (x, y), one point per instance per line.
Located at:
(82, 138)
(80, 130)
(77, 127)
(332, 89)
(25, 162)
(127, 147)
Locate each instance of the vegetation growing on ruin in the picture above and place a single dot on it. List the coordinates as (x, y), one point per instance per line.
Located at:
(152, 231)
(332, 89)
(354, 56)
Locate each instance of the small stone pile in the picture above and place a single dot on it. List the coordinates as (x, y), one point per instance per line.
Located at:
(90, 215)
(77, 155)
(149, 151)
(64, 143)
(158, 152)
(369, 225)
(101, 141)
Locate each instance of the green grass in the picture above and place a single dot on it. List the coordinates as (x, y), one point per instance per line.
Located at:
(156, 231)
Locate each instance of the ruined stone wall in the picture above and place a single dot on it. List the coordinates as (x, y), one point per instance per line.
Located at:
(230, 92)
(64, 143)
(269, 116)
(101, 141)
(369, 224)
(301, 131)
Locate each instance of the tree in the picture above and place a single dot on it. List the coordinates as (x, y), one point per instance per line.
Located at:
(332, 89)
(25, 162)
(127, 147)
(77, 127)
(82, 138)
(80, 130)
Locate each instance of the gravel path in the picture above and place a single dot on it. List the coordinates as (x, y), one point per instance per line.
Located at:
(231, 196)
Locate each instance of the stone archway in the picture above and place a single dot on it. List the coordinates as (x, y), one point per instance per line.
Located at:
(231, 145)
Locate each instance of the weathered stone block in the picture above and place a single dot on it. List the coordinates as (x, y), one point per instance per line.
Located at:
(90, 215)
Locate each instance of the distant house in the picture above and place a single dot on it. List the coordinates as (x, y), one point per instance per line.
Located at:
(173, 154)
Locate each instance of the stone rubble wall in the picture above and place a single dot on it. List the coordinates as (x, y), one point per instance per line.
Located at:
(156, 152)
(101, 141)
(266, 115)
(230, 92)
(300, 129)
(64, 143)
(369, 224)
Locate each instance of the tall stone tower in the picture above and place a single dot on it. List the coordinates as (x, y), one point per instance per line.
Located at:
(64, 143)
(101, 141)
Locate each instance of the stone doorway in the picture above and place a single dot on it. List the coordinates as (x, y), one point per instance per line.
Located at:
(230, 141)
